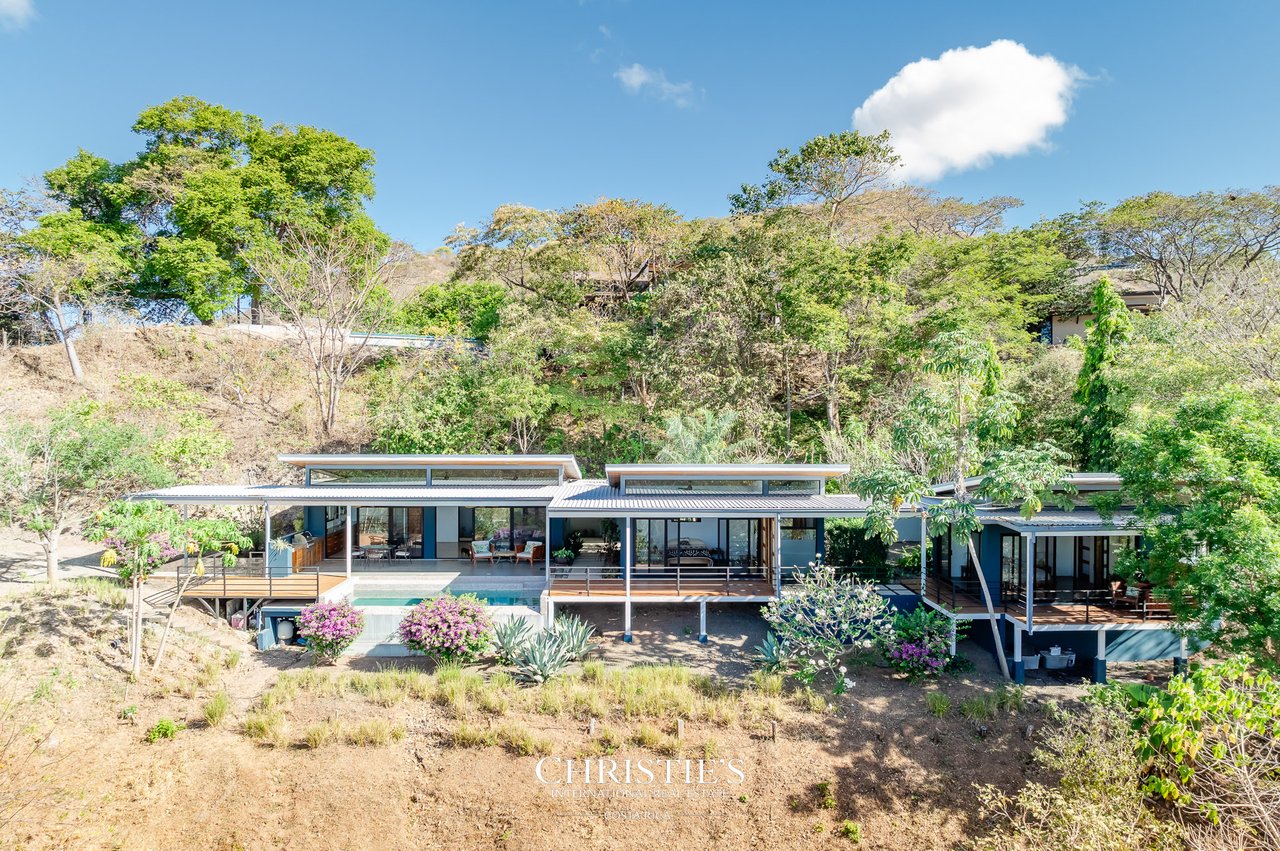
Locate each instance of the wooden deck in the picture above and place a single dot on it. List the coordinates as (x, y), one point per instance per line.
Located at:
(665, 590)
(963, 603)
(301, 586)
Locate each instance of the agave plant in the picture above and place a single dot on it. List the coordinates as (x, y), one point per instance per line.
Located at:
(509, 637)
(773, 653)
(574, 635)
(541, 659)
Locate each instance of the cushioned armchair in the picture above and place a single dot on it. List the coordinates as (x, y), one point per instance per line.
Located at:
(480, 551)
(533, 553)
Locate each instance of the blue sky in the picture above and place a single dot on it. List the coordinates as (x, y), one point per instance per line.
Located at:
(470, 105)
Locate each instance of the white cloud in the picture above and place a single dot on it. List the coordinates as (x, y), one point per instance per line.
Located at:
(970, 105)
(637, 79)
(15, 14)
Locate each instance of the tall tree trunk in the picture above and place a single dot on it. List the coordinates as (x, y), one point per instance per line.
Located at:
(72, 358)
(50, 545)
(168, 622)
(991, 611)
(135, 648)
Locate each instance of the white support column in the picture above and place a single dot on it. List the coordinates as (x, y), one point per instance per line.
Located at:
(1031, 574)
(702, 621)
(1101, 653)
(350, 524)
(924, 559)
(953, 636)
(626, 577)
(777, 554)
(185, 517)
(546, 553)
(1019, 672)
(266, 540)
(551, 613)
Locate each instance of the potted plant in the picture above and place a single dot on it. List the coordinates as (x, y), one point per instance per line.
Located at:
(564, 555)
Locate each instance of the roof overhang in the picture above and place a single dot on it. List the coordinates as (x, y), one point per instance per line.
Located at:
(369, 495)
(567, 464)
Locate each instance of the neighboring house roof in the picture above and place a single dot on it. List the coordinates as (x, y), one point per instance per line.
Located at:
(615, 472)
(566, 463)
(1082, 482)
(597, 498)
(1056, 520)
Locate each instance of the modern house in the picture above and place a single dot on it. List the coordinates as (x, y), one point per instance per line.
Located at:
(387, 530)
(1065, 322)
(1051, 581)
(659, 533)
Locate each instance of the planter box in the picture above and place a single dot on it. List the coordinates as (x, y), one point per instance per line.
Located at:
(1032, 662)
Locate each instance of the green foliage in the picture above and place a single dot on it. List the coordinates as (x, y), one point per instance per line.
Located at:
(850, 830)
(165, 728)
(847, 544)
(1100, 418)
(53, 472)
(773, 654)
(1208, 729)
(574, 635)
(824, 619)
(542, 659)
(509, 637)
(938, 703)
(210, 182)
(463, 308)
(701, 437)
(216, 708)
(1095, 803)
(1205, 483)
(919, 644)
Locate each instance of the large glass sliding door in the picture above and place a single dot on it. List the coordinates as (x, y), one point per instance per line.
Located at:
(506, 528)
(398, 529)
(1012, 567)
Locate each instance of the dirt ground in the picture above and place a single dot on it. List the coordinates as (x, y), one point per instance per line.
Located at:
(83, 775)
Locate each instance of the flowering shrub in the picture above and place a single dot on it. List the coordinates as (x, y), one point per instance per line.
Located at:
(919, 644)
(330, 628)
(455, 629)
(823, 619)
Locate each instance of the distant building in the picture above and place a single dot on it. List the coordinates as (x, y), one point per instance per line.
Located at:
(1070, 321)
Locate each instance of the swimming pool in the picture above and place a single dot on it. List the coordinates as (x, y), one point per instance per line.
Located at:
(506, 597)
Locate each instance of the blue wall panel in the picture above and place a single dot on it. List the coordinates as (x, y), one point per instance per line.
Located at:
(429, 532)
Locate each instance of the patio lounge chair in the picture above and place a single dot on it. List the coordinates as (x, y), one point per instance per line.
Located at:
(480, 552)
(533, 552)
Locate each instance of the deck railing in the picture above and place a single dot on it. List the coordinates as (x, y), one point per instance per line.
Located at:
(682, 575)
(246, 578)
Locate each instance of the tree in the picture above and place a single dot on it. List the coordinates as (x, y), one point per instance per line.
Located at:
(701, 437)
(139, 537)
(202, 538)
(1180, 242)
(54, 472)
(328, 287)
(55, 272)
(830, 173)
(955, 427)
(1204, 480)
(209, 184)
(1100, 417)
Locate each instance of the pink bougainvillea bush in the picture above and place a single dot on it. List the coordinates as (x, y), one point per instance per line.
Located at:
(454, 629)
(330, 628)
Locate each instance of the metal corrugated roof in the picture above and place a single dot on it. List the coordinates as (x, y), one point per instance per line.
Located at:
(567, 463)
(591, 498)
(615, 472)
(1087, 481)
(1081, 519)
(602, 499)
(370, 495)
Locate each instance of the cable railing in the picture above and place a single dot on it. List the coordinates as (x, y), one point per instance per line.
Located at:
(246, 579)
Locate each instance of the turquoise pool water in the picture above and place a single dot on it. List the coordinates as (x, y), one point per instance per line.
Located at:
(492, 598)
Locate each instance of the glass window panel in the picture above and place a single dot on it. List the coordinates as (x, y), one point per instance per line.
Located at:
(796, 486)
(494, 476)
(386, 476)
(707, 486)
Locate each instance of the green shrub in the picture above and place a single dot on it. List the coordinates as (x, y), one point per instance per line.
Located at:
(319, 735)
(981, 707)
(375, 732)
(165, 728)
(216, 708)
(265, 726)
(850, 830)
(939, 704)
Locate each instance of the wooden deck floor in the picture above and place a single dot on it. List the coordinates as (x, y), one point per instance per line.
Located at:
(665, 589)
(306, 586)
(1043, 613)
